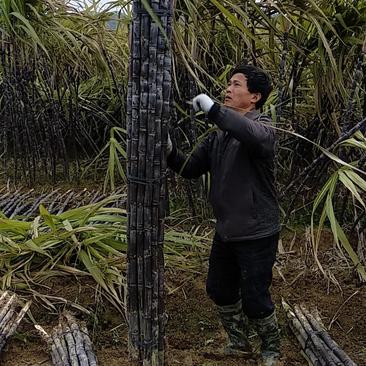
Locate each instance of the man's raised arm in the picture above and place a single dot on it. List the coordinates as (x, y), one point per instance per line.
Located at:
(257, 135)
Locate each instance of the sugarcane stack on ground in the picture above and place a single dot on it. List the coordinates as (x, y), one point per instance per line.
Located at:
(319, 348)
(69, 344)
(24, 203)
(11, 314)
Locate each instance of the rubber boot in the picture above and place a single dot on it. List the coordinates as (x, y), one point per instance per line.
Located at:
(236, 327)
(269, 334)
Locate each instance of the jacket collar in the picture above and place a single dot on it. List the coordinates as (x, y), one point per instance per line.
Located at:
(253, 114)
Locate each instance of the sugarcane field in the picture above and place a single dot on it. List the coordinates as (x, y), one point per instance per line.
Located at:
(182, 183)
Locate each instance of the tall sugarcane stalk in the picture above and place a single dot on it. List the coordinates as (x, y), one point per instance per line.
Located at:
(148, 112)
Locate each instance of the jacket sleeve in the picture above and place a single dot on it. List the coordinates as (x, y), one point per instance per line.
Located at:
(257, 135)
(193, 165)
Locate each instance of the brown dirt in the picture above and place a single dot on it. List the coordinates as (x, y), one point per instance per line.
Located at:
(194, 334)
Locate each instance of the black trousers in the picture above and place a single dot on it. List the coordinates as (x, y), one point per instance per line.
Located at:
(243, 270)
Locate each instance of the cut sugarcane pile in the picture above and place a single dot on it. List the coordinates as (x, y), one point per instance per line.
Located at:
(26, 203)
(319, 348)
(69, 343)
(11, 314)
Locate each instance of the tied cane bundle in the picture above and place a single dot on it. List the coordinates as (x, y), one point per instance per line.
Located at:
(11, 314)
(69, 343)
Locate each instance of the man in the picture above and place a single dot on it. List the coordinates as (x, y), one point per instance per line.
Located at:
(240, 159)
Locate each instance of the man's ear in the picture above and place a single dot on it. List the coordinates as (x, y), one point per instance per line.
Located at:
(256, 97)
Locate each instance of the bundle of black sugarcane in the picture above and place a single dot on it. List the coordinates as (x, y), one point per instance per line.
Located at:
(11, 314)
(148, 115)
(69, 344)
(318, 346)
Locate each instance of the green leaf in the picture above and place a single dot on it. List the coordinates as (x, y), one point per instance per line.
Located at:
(93, 268)
(331, 216)
(347, 182)
(30, 30)
(47, 217)
(324, 191)
(356, 179)
(354, 143)
(347, 246)
(326, 45)
(238, 24)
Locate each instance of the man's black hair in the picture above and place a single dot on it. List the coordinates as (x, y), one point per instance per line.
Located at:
(258, 81)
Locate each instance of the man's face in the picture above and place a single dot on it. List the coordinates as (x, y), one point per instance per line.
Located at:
(238, 96)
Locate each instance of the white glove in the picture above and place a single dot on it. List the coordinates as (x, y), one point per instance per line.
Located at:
(202, 102)
(169, 146)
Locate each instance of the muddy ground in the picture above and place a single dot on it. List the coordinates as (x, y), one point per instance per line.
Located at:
(193, 333)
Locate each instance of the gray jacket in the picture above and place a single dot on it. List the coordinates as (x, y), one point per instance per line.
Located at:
(240, 159)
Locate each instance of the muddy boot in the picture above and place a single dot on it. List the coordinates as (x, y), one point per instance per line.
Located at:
(268, 332)
(236, 327)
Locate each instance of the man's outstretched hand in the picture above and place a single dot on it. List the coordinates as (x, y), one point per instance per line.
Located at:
(202, 102)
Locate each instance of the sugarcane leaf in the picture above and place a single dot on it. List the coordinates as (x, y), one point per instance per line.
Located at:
(47, 217)
(119, 245)
(13, 226)
(323, 192)
(107, 249)
(111, 163)
(29, 29)
(347, 246)
(354, 143)
(108, 218)
(7, 244)
(339, 160)
(358, 134)
(356, 179)
(331, 216)
(327, 190)
(325, 43)
(347, 182)
(71, 232)
(93, 268)
(237, 23)
(340, 19)
(96, 256)
(120, 169)
(72, 270)
(33, 246)
(95, 159)
(119, 148)
(98, 237)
